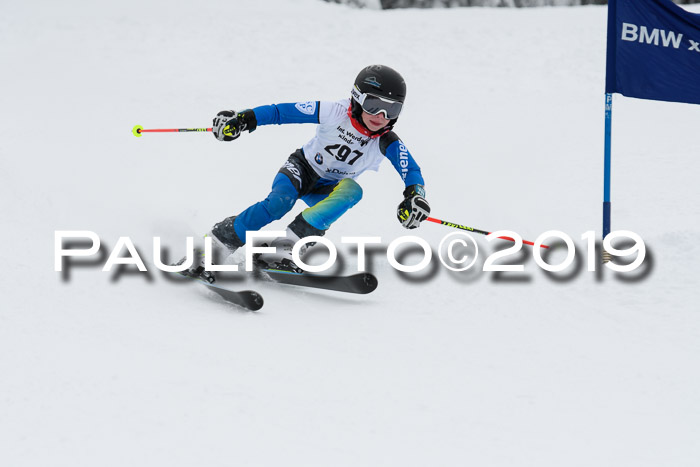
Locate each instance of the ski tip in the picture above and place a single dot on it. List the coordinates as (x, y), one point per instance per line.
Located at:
(370, 282)
(254, 300)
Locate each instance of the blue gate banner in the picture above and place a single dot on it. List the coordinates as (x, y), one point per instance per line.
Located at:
(653, 51)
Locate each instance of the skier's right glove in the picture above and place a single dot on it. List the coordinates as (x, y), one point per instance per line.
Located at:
(414, 209)
(228, 124)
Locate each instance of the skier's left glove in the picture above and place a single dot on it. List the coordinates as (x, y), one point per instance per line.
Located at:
(414, 209)
(228, 124)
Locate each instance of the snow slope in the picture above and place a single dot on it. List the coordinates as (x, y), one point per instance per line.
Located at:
(505, 116)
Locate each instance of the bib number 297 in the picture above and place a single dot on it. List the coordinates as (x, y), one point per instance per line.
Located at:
(342, 153)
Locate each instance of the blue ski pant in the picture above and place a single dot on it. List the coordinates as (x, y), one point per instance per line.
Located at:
(327, 200)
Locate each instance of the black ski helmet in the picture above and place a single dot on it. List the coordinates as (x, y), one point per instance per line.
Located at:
(381, 81)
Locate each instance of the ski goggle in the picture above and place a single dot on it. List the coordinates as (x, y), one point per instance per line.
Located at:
(374, 105)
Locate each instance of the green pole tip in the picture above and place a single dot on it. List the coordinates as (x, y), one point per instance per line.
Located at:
(137, 130)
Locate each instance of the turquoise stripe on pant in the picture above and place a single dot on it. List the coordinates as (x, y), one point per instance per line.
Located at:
(327, 208)
(324, 208)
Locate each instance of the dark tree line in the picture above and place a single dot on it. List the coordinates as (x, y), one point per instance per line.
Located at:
(391, 4)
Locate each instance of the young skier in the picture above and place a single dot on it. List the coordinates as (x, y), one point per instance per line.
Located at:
(353, 135)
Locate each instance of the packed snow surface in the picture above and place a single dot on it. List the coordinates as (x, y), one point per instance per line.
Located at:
(505, 116)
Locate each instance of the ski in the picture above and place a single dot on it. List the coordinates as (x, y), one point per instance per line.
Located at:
(248, 299)
(361, 283)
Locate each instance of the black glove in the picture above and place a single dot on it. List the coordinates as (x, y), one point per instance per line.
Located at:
(414, 209)
(228, 124)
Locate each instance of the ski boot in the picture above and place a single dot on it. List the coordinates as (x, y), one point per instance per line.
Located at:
(197, 270)
(281, 258)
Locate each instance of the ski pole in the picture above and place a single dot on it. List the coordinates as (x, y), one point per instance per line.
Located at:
(138, 129)
(472, 229)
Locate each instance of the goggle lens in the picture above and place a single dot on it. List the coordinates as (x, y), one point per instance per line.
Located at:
(375, 105)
